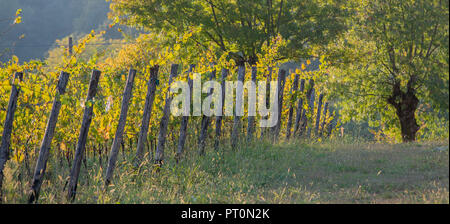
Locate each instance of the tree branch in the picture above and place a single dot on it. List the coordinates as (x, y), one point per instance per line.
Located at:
(279, 16)
(219, 33)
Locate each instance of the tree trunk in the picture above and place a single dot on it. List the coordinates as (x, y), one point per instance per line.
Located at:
(405, 104)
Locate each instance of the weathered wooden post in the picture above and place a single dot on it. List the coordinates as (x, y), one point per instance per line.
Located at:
(330, 125)
(70, 46)
(150, 97)
(298, 116)
(291, 108)
(166, 116)
(239, 104)
(251, 119)
(268, 80)
(205, 122)
(325, 110)
(8, 125)
(82, 137)
(183, 126)
(280, 88)
(311, 109)
(219, 117)
(319, 108)
(309, 95)
(41, 164)
(333, 122)
(127, 94)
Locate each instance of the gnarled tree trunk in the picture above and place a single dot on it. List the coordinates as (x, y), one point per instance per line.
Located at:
(405, 104)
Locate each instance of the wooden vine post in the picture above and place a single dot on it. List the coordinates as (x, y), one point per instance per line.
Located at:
(311, 109)
(70, 46)
(150, 97)
(333, 122)
(329, 126)
(127, 94)
(251, 119)
(319, 109)
(325, 110)
(205, 122)
(163, 125)
(44, 151)
(183, 126)
(219, 117)
(304, 119)
(166, 115)
(8, 125)
(280, 88)
(82, 137)
(238, 109)
(291, 107)
(298, 116)
(268, 80)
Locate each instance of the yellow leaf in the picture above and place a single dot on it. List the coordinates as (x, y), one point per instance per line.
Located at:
(18, 156)
(18, 20)
(15, 59)
(177, 47)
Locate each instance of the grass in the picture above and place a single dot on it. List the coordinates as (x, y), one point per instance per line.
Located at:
(287, 172)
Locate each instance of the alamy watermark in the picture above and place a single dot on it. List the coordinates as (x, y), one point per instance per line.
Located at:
(214, 105)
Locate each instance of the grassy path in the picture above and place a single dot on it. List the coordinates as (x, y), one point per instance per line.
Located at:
(289, 172)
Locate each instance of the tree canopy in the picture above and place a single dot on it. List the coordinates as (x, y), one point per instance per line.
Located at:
(237, 26)
(393, 63)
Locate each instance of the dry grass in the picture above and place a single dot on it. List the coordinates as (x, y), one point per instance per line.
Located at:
(288, 172)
